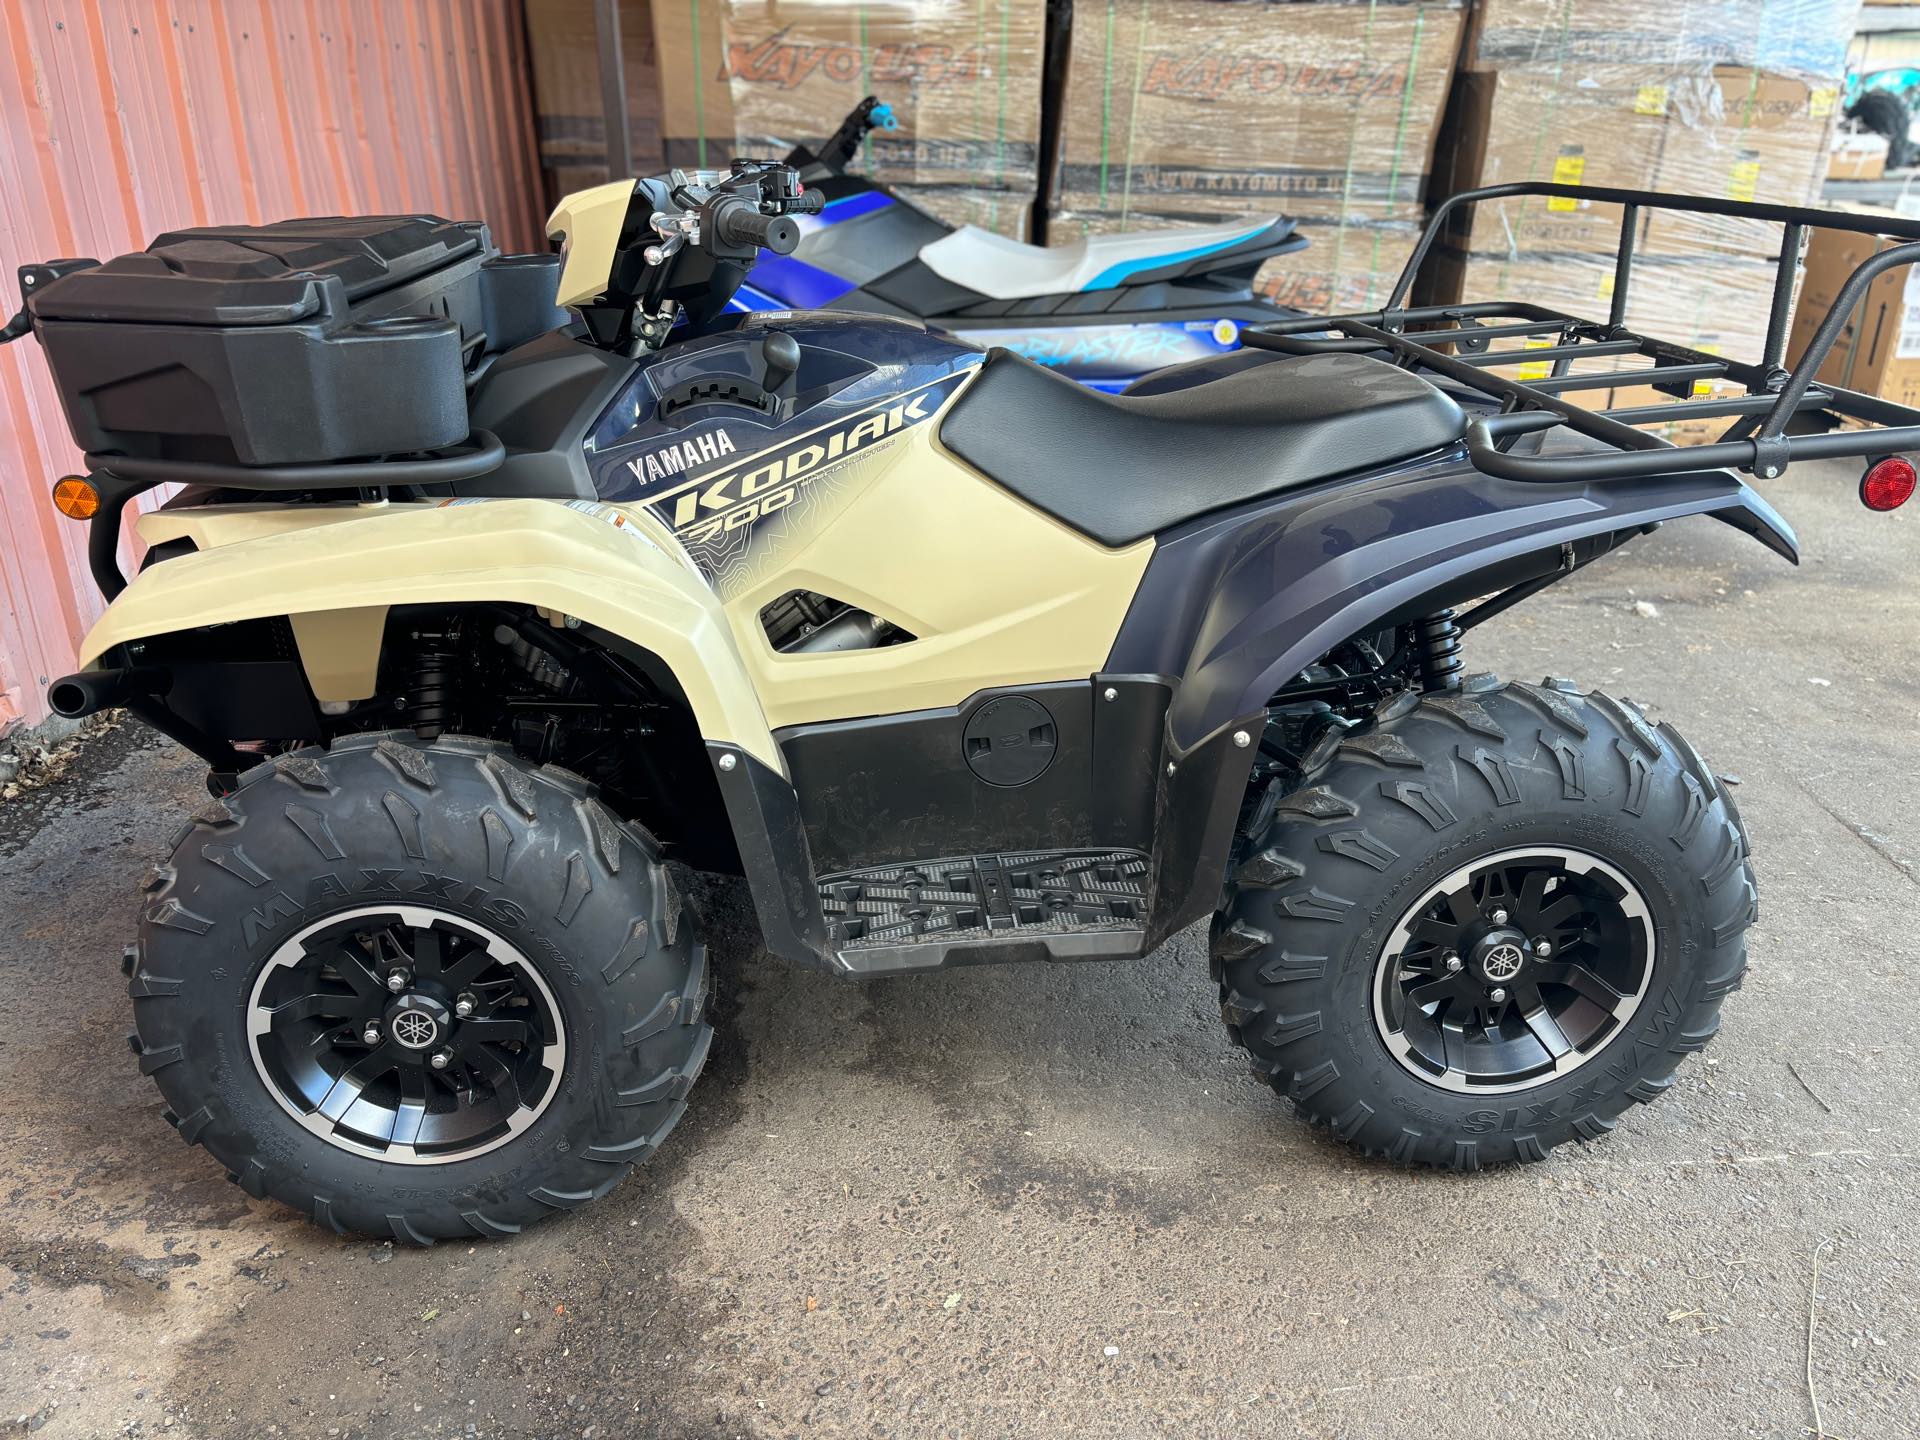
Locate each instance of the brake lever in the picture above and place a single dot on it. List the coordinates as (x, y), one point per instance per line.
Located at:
(675, 231)
(664, 251)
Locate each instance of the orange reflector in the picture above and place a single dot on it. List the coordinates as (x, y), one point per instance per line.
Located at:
(75, 498)
(1888, 484)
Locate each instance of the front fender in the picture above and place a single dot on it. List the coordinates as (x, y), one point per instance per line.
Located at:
(334, 571)
(1238, 604)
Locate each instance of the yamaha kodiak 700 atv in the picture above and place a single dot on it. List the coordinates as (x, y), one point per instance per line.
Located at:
(1105, 310)
(487, 624)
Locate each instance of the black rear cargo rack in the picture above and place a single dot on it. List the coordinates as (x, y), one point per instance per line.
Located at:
(1453, 342)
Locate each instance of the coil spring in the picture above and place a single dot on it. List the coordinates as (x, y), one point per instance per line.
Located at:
(1437, 644)
(432, 692)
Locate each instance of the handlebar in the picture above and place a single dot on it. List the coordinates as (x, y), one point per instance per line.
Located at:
(687, 240)
(739, 223)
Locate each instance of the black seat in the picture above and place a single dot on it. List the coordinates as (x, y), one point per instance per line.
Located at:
(1122, 467)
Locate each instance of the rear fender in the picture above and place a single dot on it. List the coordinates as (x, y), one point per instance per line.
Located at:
(1238, 604)
(335, 571)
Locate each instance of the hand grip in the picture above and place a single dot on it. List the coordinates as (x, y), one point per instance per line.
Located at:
(742, 224)
(807, 202)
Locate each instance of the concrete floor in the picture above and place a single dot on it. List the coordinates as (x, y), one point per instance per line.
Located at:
(1046, 1201)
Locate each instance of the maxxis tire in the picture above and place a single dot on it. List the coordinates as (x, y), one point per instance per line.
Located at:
(462, 826)
(1429, 783)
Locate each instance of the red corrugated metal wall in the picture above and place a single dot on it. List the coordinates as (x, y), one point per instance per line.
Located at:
(120, 119)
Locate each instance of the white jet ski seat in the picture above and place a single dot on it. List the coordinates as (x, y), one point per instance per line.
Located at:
(1004, 269)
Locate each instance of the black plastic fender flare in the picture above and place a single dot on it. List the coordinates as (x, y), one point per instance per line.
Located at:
(1236, 604)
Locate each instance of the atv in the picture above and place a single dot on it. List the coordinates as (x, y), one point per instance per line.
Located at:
(491, 623)
(1106, 310)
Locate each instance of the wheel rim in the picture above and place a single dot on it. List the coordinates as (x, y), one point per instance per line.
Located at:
(1513, 970)
(406, 1034)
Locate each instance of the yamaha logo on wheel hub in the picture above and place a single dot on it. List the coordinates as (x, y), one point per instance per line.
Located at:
(414, 1029)
(418, 1021)
(1503, 961)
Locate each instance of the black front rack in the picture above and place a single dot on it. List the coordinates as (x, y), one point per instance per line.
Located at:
(1454, 342)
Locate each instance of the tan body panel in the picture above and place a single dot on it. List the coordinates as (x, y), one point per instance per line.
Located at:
(589, 221)
(996, 592)
(329, 573)
(210, 525)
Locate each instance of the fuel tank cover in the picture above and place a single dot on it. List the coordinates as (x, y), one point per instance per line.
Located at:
(1010, 740)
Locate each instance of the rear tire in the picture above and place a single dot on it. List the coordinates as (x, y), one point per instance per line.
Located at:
(289, 974)
(1613, 827)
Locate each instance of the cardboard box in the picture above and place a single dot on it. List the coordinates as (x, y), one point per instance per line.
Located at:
(1730, 133)
(1603, 127)
(1344, 269)
(756, 77)
(1004, 212)
(569, 119)
(1717, 305)
(1878, 350)
(1796, 37)
(1857, 155)
(1212, 110)
(1740, 134)
(1699, 430)
(1887, 50)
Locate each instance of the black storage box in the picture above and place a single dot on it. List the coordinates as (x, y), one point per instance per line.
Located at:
(300, 342)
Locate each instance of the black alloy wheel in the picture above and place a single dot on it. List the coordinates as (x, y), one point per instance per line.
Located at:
(1513, 970)
(408, 1035)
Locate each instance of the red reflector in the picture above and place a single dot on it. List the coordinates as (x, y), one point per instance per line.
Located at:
(1888, 484)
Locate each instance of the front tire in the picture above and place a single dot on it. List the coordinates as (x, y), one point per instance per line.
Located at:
(1357, 950)
(418, 990)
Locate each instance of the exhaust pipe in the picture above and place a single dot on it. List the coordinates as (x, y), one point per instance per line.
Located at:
(91, 691)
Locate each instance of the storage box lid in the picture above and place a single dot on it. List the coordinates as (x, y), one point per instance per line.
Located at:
(261, 274)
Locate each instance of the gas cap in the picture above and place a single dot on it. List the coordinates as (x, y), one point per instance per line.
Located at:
(1010, 740)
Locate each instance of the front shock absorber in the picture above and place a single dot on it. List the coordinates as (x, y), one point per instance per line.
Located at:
(432, 691)
(1436, 642)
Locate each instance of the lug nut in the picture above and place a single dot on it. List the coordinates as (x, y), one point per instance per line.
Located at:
(396, 980)
(1499, 917)
(1497, 995)
(1453, 961)
(1543, 948)
(371, 1034)
(463, 1007)
(441, 1059)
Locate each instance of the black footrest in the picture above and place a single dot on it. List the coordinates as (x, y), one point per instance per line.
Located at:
(986, 897)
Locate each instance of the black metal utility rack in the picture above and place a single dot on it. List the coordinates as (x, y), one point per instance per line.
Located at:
(1455, 343)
